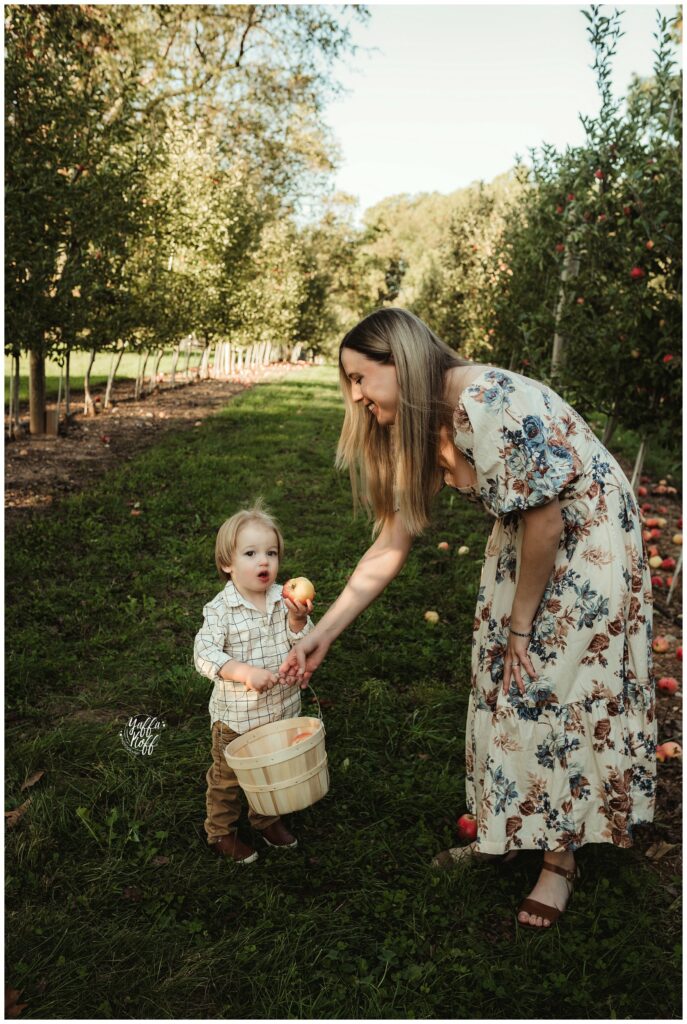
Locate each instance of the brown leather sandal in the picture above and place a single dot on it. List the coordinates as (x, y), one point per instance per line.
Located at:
(551, 914)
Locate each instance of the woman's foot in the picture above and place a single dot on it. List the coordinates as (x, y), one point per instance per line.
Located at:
(552, 891)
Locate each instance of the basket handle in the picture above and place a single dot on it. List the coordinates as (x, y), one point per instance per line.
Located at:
(319, 709)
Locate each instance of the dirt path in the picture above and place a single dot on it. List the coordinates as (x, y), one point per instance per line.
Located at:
(40, 470)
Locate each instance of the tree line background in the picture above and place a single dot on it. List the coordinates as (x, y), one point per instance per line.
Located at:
(168, 175)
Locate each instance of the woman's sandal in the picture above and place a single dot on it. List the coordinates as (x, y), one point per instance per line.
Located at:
(551, 914)
(467, 854)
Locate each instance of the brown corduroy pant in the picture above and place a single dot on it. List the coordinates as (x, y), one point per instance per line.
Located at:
(223, 796)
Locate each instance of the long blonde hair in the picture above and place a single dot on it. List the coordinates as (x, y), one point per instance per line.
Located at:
(397, 467)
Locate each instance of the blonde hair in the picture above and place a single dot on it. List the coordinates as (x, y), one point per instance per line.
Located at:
(227, 535)
(397, 467)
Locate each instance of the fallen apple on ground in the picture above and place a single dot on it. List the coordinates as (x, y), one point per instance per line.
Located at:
(467, 826)
(677, 539)
(668, 563)
(298, 589)
(655, 561)
(443, 545)
(432, 617)
(668, 751)
(463, 550)
(668, 684)
(661, 644)
(657, 582)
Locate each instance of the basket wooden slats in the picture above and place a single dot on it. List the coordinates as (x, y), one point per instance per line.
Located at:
(278, 778)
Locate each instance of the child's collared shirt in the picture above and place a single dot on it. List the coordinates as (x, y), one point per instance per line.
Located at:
(234, 629)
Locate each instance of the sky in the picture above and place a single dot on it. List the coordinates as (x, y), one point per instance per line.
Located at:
(444, 95)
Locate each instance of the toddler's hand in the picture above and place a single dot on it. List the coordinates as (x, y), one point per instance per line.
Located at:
(260, 679)
(298, 613)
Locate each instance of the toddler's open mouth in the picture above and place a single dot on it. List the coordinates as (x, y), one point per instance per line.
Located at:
(263, 576)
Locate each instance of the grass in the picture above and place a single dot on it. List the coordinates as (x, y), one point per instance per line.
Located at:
(353, 924)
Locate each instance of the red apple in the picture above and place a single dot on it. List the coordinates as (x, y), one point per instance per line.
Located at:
(646, 507)
(668, 684)
(571, 196)
(660, 644)
(298, 589)
(560, 247)
(668, 563)
(653, 551)
(650, 244)
(655, 534)
(678, 653)
(667, 751)
(598, 173)
(467, 827)
(443, 545)
(300, 736)
(642, 492)
(637, 273)
(657, 582)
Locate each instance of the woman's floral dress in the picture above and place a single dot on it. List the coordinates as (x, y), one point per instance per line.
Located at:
(573, 760)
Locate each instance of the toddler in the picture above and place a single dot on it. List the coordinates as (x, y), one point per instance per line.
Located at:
(248, 629)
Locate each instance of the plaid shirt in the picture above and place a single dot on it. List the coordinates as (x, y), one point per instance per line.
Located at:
(234, 629)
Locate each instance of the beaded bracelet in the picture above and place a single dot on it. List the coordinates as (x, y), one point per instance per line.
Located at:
(515, 632)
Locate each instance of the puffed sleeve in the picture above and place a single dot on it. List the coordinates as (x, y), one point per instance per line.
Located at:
(524, 442)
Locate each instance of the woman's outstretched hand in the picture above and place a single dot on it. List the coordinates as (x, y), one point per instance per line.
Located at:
(303, 658)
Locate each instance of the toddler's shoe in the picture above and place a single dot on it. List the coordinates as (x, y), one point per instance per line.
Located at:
(277, 834)
(231, 846)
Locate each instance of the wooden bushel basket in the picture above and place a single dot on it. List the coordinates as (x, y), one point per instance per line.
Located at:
(278, 778)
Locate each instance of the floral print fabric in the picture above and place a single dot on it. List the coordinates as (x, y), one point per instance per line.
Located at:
(573, 760)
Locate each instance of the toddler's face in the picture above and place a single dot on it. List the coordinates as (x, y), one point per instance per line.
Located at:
(255, 564)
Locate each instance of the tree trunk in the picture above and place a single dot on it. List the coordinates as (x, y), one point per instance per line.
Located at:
(175, 360)
(205, 362)
(17, 379)
(88, 407)
(639, 463)
(67, 389)
(137, 384)
(188, 357)
(114, 366)
(10, 410)
(571, 267)
(157, 364)
(36, 393)
(142, 389)
(609, 429)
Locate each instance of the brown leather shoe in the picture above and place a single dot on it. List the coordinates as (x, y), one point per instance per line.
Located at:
(231, 846)
(277, 834)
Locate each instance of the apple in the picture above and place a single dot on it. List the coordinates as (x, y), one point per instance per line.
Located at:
(668, 563)
(669, 581)
(678, 653)
(598, 173)
(560, 247)
(661, 522)
(580, 300)
(655, 534)
(660, 644)
(656, 562)
(646, 507)
(300, 736)
(651, 522)
(679, 522)
(298, 589)
(443, 545)
(657, 582)
(677, 539)
(642, 492)
(653, 550)
(432, 617)
(668, 684)
(667, 751)
(637, 273)
(467, 827)
(663, 509)
(463, 550)
(650, 244)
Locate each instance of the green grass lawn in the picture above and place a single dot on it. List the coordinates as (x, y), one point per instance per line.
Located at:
(102, 608)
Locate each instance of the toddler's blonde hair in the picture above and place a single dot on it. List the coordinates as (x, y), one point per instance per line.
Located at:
(227, 535)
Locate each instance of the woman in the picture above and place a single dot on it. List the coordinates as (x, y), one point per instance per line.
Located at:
(560, 735)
